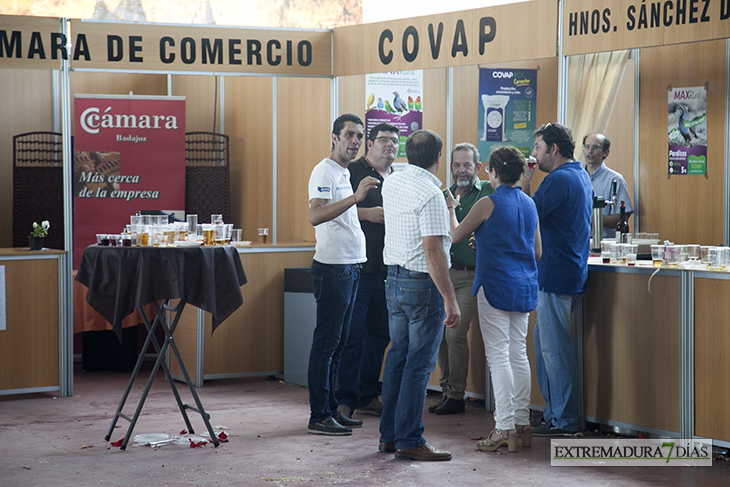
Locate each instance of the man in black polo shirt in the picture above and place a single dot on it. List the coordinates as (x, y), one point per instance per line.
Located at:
(362, 358)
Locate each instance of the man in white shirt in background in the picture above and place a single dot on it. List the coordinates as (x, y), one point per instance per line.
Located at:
(338, 255)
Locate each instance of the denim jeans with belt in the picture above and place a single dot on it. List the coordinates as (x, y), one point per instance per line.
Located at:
(555, 361)
(416, 312)
(335, 287)
(362, 359)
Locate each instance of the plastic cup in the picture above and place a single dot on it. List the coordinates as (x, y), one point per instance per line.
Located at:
(713, 254)
(236, 236)
(219, 233)
(208, 234)
(192, 224)
(263, 235)
(657, 255)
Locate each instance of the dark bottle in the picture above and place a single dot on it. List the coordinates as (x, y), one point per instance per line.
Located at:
(623, 226)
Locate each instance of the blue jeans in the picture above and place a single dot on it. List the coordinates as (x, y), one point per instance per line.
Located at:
(555, 361)
(335, 287)
(362, 359)
(416, 311)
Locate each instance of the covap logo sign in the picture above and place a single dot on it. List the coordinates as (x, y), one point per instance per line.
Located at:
(631, 452)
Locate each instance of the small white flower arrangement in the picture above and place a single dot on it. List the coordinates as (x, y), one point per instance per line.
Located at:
(40, 230)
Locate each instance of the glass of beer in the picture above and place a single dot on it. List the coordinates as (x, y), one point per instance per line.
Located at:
(208, 234)
(657, 255)
(263, 235)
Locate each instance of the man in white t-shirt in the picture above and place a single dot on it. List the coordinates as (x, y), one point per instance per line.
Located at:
(338, 255)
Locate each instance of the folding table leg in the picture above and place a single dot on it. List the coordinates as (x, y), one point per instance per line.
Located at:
(135, 371)
(166, 369)
(160, 362)
(160, 359)
(193, 392)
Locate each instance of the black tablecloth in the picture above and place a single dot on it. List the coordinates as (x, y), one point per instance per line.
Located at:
(121, 278)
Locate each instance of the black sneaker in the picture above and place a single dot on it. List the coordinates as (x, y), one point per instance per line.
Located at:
(329, 427)
(344, 420)
(547, 429)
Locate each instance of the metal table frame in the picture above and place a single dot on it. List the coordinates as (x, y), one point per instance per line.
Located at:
(161, 353)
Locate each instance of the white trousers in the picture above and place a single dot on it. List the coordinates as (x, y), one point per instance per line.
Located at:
(504, 336)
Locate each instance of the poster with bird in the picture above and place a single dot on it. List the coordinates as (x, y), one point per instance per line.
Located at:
(395, 98)
(687, 130)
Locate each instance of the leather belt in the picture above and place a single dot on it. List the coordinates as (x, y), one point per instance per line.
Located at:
(458, 267)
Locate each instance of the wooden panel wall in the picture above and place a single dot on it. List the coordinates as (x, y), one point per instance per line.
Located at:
(620, 132)
(712, 341)
(631, 349)
(466, 99)
(29, 345)
(27, 106)
(683, 209)
(252, 339)
(434, 111)
(304, 128)
(249, 121)
(201, 103)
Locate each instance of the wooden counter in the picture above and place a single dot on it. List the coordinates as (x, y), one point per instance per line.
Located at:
(656, 361)
(30, 345)
(251, 341)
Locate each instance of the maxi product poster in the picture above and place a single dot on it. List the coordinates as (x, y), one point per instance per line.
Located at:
(129, 156)
(507, 105)
(687, 130)
(395, 98)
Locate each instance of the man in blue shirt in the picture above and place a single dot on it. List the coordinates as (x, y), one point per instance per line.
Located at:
(596, 148)
(564, 203)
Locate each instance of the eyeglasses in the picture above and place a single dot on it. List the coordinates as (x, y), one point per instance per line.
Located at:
(386, 140)
(592, 147)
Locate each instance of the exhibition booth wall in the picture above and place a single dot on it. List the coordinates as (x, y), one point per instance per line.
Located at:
(279, 121)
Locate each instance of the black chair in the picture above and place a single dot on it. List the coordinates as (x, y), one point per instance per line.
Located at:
(38, 186)
(207, 176)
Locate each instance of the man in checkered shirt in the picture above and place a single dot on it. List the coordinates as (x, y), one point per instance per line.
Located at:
(421, 298)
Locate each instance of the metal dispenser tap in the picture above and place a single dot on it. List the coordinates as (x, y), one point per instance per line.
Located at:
(613, 200)
(597, 222)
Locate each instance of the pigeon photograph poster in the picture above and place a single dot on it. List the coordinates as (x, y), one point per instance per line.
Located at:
(507, 104)
(395, 98)
(687, 130)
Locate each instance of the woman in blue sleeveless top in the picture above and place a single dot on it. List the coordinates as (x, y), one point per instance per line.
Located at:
(508, 246)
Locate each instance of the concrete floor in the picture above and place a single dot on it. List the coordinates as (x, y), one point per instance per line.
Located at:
(48, 441)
